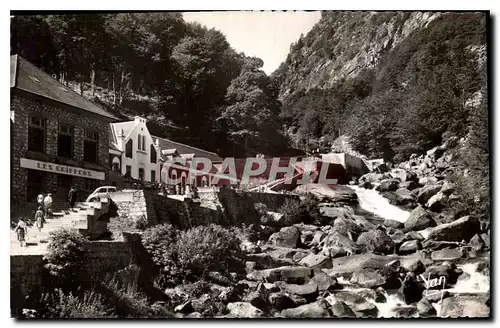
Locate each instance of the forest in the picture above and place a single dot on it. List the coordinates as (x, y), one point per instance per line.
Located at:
(185, 78)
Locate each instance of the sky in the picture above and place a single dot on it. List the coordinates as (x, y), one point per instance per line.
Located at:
(266, 35)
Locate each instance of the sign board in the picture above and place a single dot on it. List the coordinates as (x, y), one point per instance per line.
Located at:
(61, 169)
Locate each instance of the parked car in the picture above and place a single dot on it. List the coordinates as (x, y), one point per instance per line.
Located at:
(101, 192)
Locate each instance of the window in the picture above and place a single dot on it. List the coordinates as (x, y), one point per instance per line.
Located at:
(128, 148)
(90, 146)
(144, 142)
(152, 155)
(141, 174)
(90, 184)
(153, 176)
(36, 134)
(139, 142)
(128, 171)
(65, 141)
(115, 164)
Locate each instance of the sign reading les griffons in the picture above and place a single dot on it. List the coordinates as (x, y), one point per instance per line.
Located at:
(61, 169)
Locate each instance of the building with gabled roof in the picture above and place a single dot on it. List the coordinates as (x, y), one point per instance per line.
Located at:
(59, 138)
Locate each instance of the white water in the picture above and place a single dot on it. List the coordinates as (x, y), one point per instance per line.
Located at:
(477, 283)
(372, 201)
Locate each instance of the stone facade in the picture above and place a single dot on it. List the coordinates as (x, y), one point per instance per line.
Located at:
(24, 105)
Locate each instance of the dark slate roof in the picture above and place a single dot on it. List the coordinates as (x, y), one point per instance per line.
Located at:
(27, 77)
(185, 149)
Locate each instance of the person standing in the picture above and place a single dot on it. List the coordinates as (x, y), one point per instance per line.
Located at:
(39, 218)
(47, 202)
(21, 231)
(39, 200)
(72, 197)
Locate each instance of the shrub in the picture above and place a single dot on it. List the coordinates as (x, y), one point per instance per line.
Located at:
(305, 211)
(65, 257)
(207, 248)
(161, 243)
(141, 223)
(91, 305)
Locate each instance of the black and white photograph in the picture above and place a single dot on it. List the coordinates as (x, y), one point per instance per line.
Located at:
(285, 164)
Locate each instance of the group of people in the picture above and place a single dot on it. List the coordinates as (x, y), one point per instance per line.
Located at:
(42, 214)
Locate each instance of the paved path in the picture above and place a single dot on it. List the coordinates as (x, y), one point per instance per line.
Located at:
(34, 246)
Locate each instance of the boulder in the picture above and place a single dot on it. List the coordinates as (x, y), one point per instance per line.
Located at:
(244, 310)
(317, 238)
(312, 310)
(398, 237)
(258, 297)
(410, 246)
(393, 224)
(339, 240)
(419, 219)
(290, 274)
(427, 192)
(367, 278)
(462, 229)
(471, 306)
(376, 241)
(317, 261)
(437, 202)
(486, 238)
(353, 263)
(413, 235)
(325, 282)
(306, 238)
(425, 308)
(448, 188)
(445, 270)
(409, 185)
(280, 301)
(360, 306)
(425, 181)
(447, 254)
(388, 185)
(411, 290)
(403, 175)
(437, 245)
(184, 308)
(414, 265)
(477, 243)
(366, 185)
(299, 256)
(342, 310)
(370, 177)
(333, 252)
(404, 195)
(436, 297)
(286, 237)
(403, 312)
(309, 291)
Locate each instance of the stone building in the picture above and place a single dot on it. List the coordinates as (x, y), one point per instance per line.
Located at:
(58, 138)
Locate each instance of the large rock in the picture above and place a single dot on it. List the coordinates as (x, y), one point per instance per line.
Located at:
(317, 261)
(317, 238)
(447, 254)
(411, 290)
(376, 241)
(435, 245)
(353, 263)
(309, 291)
(360, 306)
(410, 185)
(367, 278)
(427, 181)
(286, 237)
(462, 229)
(446, 270)
(388, 185)
(244, 310)
(414, 235)
(345, 225)
(425, 308)
(335, 239)
(398, 237)
(427, 192)
(325, 282)
(280, 301)
(403, 175)
(312, 310)
(477, 243)
(342, 310)
(471, 306)
(410, 246)
(333, 252)
(289, 274)
(393, 224)
(436, 202)
(448, 188)
(258, 297)
(371, 177)
(419, 219)
(404, 195)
